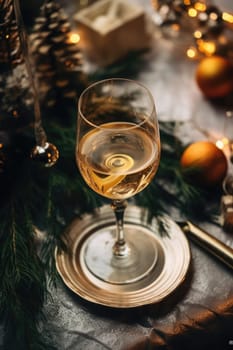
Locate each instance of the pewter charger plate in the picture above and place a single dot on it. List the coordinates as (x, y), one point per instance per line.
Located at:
(169, 271)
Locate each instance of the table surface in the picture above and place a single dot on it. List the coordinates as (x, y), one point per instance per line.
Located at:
(199, 314)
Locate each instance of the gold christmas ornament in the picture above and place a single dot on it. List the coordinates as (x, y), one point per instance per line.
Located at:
(47, 154)
(214, 76)
(204, 164)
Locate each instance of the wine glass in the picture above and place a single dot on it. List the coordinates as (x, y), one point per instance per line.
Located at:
(118, 153)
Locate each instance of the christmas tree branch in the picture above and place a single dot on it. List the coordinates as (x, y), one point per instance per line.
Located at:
(23, 281)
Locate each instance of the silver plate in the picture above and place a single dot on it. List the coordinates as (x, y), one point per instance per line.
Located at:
(169, 271)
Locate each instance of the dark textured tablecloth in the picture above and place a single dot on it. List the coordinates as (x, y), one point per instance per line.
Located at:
(198, 315)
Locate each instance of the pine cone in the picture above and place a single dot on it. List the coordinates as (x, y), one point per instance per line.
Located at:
(58, 63)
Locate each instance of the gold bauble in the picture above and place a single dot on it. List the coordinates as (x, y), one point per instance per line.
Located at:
(214, 76)
(204, 164)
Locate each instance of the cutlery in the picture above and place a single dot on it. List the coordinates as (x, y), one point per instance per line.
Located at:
(208, 242)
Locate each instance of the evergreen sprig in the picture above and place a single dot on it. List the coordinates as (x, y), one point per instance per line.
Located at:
(23, 277)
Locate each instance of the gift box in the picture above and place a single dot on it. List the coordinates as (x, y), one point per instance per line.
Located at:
(109, 30)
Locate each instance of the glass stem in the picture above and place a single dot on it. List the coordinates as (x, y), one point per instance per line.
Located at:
(120, 248)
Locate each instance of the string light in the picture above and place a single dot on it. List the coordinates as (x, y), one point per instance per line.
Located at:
(227, 17)
(197, 34)
(15, 113)
(74, 38)
(213, 16)
(192, 12)
(191, 52)
(206, 47)
(222, 143)
(175, 27)
(200, 6)
(212, 25)
(225, 142)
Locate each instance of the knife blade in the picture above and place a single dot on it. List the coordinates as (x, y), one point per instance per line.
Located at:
(208, 242)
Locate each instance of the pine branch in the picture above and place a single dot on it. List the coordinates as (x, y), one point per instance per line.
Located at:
(23, 281)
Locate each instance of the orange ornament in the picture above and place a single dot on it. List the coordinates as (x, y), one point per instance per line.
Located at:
(214, 76)
(204, 164)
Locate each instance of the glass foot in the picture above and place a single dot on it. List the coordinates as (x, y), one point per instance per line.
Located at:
(141, 257)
